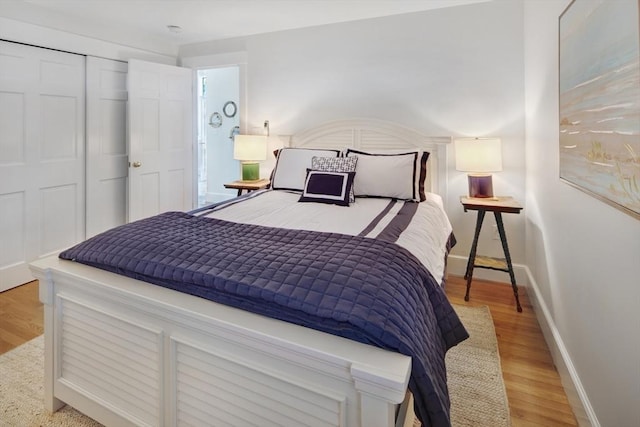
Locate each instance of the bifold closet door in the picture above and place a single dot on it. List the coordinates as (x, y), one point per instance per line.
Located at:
(107, 162)
(42, 107)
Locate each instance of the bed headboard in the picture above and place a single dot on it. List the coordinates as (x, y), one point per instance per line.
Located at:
(379, 134)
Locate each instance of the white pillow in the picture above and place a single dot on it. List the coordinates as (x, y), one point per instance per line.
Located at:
(291, 168)
(393, 174)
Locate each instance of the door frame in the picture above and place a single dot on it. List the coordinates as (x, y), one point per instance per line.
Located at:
(232, 59)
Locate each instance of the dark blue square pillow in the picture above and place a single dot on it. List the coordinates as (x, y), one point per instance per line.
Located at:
(327, 187)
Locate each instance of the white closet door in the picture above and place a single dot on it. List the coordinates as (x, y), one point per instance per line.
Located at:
(41, 156)
(107, 166)
(160, 139)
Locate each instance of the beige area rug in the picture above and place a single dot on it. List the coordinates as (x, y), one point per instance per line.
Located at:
(474, 375)
(476, 387)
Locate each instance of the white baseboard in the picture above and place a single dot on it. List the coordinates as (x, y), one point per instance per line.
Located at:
(576, 394)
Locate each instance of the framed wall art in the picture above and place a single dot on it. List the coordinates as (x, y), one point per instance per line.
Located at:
(599, 47)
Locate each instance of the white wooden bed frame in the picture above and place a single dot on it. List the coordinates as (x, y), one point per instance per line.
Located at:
(126, 352)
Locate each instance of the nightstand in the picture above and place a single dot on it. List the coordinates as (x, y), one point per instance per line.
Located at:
(497, 205)
(248, 185)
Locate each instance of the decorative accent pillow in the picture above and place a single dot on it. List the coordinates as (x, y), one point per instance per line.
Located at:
(291, 167)
(327, 187)
(390, 173)
(336, 164)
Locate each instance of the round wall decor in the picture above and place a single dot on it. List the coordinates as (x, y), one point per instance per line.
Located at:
(230, 109)
(215, 120)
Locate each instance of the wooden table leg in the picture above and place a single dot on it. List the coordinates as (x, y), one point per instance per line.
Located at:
(472, 256)
(505, 248)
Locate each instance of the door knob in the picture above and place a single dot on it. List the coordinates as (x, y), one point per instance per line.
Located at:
(136, 164)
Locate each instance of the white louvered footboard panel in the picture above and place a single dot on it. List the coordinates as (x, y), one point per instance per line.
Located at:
(214, 390)
(111, 360)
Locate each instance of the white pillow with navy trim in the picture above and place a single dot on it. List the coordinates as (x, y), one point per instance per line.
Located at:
(292, 164)
(386, 175)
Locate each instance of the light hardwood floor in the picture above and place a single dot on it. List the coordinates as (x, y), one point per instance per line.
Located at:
(21, 316)
(536, 397)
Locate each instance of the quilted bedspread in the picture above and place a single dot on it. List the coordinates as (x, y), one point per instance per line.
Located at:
(360, 288)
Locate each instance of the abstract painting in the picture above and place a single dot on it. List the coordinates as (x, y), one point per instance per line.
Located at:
(600, 100)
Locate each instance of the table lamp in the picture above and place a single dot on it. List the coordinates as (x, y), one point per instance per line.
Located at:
(479, 156)
(250, 149)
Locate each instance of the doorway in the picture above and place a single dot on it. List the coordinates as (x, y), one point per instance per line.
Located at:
(218, 122)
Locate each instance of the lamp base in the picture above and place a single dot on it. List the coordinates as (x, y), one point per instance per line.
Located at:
(250, 171)
(480, 186)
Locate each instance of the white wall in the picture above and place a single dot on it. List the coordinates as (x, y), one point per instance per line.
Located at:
(450, 72)
(583, 255)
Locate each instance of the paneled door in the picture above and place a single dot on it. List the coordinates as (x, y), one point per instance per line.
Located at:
(42, 108)
(107, 166)
(161, 123)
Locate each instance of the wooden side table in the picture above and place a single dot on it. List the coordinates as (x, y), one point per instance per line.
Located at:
(497, 205)
(248, 185)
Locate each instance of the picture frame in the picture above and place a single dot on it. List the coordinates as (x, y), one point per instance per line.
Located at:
(599, 111)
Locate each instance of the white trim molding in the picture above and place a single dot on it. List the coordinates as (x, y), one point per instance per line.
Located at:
(576, 394)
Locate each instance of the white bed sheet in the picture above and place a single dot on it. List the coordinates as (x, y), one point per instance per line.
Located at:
(425, 237)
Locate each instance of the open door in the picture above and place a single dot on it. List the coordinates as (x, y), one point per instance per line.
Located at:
(160, 139)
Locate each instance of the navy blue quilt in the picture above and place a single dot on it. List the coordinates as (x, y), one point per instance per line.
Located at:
(364, 289)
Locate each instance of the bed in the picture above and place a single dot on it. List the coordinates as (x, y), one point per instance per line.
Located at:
(126, 345)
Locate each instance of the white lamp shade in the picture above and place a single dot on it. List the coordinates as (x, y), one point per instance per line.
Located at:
(250, 147)
(478, 155)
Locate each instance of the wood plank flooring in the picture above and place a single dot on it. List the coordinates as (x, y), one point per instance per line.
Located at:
(535, 393)
(21, 316)
(536, 396)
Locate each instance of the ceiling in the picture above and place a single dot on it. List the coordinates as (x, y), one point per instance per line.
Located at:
(143, 23)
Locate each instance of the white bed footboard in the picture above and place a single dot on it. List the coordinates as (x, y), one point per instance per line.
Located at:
(125, 352)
